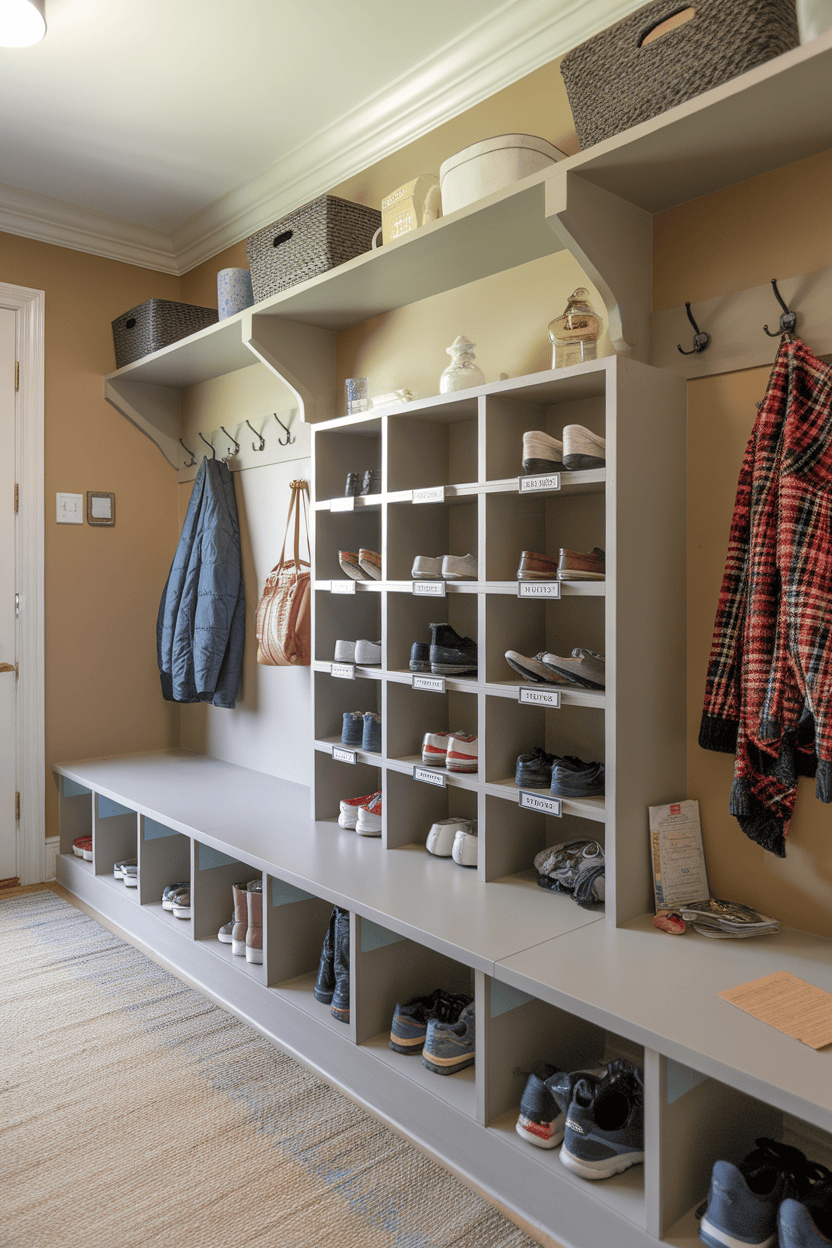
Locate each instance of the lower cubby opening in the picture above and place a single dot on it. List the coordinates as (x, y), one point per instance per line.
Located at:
(115, 837)
(412, 808)
(524, 1036)
(164, 859)
(75, 802)
(212, 904)
(389, 969)
(296, 925)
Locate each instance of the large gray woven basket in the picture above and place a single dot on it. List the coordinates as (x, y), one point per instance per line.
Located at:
(614, 83)
(311, 240)
(157, 324)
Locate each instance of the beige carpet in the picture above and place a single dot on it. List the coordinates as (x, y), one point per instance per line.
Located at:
(133, 1111)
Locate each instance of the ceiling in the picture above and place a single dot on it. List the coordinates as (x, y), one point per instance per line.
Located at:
(160, 133)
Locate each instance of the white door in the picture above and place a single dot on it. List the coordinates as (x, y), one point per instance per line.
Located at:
(8, 562)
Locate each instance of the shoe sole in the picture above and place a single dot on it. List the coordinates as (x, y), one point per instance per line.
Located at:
(601, 1169)
(710, 1234)
(419, 667)
(583, 681)
(452, 669)
(324, 997)
(575, 794)
(581, 576)
(181, 912)
(224, 940)
(550, 1135)
(255, 956)
(538, 576)
(448, 1065)
(130, 881)
(343, 1016)
(542, 467)
(238, 948)
(583, 463)
(409, 1048)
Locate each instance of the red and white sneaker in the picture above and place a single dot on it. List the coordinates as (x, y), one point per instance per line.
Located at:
(435, 748)
(351, 806)
(82, 847)
(463, 752)
(368, 822)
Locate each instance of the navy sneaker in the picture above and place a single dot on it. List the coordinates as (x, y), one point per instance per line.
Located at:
(451, 654)
(744, 1200)
(572, 777)
(352, 730)
(450, 1047)
(604, 1132)
(534, 770)
(807, 1223)
(420, 657)
(371, 733)
(410, 1021)
(545, 1102)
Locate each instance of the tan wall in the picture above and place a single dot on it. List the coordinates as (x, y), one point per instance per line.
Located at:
(776, 225)
(102, 586)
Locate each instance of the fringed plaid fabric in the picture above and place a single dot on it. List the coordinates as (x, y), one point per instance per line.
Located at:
(770, 672)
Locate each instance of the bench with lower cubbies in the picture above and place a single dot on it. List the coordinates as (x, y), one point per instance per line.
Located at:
(552, 983)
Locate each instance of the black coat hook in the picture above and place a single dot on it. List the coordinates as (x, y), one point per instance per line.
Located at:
(289, 438)
(192, 460)
(701, 339)
(230, 439)
(257, 435)
(207, 443)
(787, 321)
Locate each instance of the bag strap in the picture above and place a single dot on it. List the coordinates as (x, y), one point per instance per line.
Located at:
(300, 491)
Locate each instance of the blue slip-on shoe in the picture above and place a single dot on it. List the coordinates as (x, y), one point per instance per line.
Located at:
(744, 1200)
(449, 1047)
(410, 1021)
(572, 777)
(371, 733)
(807, 1223)
(352, 730)
(534, 770)
(604, 1132)
(545, 1101)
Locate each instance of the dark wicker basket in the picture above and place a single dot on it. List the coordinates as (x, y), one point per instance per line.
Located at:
(157, 324)
(613, 82)
(311, 240)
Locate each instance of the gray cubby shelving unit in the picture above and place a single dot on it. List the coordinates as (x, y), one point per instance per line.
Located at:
(551, 982)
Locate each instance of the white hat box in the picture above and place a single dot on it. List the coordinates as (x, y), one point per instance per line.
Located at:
(490, 165)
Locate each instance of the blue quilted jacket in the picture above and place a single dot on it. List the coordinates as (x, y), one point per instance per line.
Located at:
(201, 624)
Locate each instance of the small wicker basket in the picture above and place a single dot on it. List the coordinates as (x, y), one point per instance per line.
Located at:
(616, 80)
(311, 240)
(157, 324)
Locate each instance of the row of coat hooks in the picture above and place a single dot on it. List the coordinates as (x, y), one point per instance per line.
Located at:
(260, 445)
(788, 321)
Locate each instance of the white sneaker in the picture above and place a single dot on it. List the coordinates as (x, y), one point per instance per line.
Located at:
(459, 567)
(441, 836)
(344, 652)
(466, 848)
(368, 822)
(426, 569)
(367, 653)
(583, 449)
(463, 753)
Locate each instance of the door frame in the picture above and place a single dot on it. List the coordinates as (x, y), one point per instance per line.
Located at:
(30, 744)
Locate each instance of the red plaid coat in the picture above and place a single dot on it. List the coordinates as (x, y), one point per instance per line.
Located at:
(769, 681)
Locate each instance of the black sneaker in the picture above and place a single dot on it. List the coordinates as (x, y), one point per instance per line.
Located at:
(420, 657)
(604, 1132)
(410, 1021)
(451, 654)
(545, 1102)
(572, 777)
(534, 770)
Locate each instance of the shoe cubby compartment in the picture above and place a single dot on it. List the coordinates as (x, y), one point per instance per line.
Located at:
(335, 697)
(294, 927)
(389, 969)
(433, 530)
(530, 626)
(347, 530)
(115, 838)
(437, 447)
(337, 781)
(553, 402)
(544, 525)
(514, 833)
(164, 858)
(352, 447)
(212, 903)
(412, 807)
(413, 712)
(349, 617)
(409, 618)
(75, 813)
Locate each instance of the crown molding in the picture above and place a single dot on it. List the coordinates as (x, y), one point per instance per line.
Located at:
(520, 37)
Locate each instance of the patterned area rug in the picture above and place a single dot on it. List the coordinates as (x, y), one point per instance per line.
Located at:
(136, 1112)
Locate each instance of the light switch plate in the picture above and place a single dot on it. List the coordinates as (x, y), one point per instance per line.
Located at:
(70, 508)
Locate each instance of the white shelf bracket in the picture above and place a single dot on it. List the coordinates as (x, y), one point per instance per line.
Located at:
(302, 356)
(153, 409)
(612, 240)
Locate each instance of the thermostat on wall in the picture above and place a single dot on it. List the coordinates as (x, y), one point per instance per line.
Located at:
(101, 508)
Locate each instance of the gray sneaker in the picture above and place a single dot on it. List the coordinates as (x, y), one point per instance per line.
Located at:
(583, 667)
(535, 669)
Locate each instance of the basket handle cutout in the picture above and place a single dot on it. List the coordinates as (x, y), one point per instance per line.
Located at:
(129, 324)
(664, 27)
(283, 238)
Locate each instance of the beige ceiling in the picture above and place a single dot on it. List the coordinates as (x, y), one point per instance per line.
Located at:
(178, 128)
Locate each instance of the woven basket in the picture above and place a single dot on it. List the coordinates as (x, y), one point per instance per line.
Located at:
(157, 324)
(613, 82)
(311, 240)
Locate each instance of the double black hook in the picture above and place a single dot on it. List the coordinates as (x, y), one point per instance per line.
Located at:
(192, 460)
(701, 339)
(289, 438)
(788, 320)
(236, 450)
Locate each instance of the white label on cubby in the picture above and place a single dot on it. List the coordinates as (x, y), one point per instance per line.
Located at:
(539, 485)
(342, 587)
(430, 777)
(344, 756)
(429, 589)
(344, 671)
(433, 494)
(435, 684)
(548, 805)
(342, 504)
(539, 697)
(538, 589)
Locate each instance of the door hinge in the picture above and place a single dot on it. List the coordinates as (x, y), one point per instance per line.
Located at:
(16, 497)
(17, 806)
(16, 375)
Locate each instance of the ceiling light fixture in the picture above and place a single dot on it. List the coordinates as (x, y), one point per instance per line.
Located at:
(22, 23)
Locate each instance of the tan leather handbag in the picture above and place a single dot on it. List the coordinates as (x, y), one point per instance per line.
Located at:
(284, 622)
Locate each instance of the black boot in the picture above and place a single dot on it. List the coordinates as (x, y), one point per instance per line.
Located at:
(325, 983)
(341, 997)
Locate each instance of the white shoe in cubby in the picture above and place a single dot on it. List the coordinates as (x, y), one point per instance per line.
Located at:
(442, 834)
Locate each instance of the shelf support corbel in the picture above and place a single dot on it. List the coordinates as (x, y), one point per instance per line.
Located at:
(612, 240)
(155, 410)
(302, 356)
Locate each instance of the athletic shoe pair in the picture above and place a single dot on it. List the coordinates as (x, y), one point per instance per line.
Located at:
(579, 450)
(362, 814)
(454, 838)
(448, 654)
(457, 751)
(440, 1027)
(363, 566)
(583, 668)
(363, 653)
(563, 777)
(127, 871)
(597, 1114)
(177, 899)
(82, 848)
(774, 1195)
